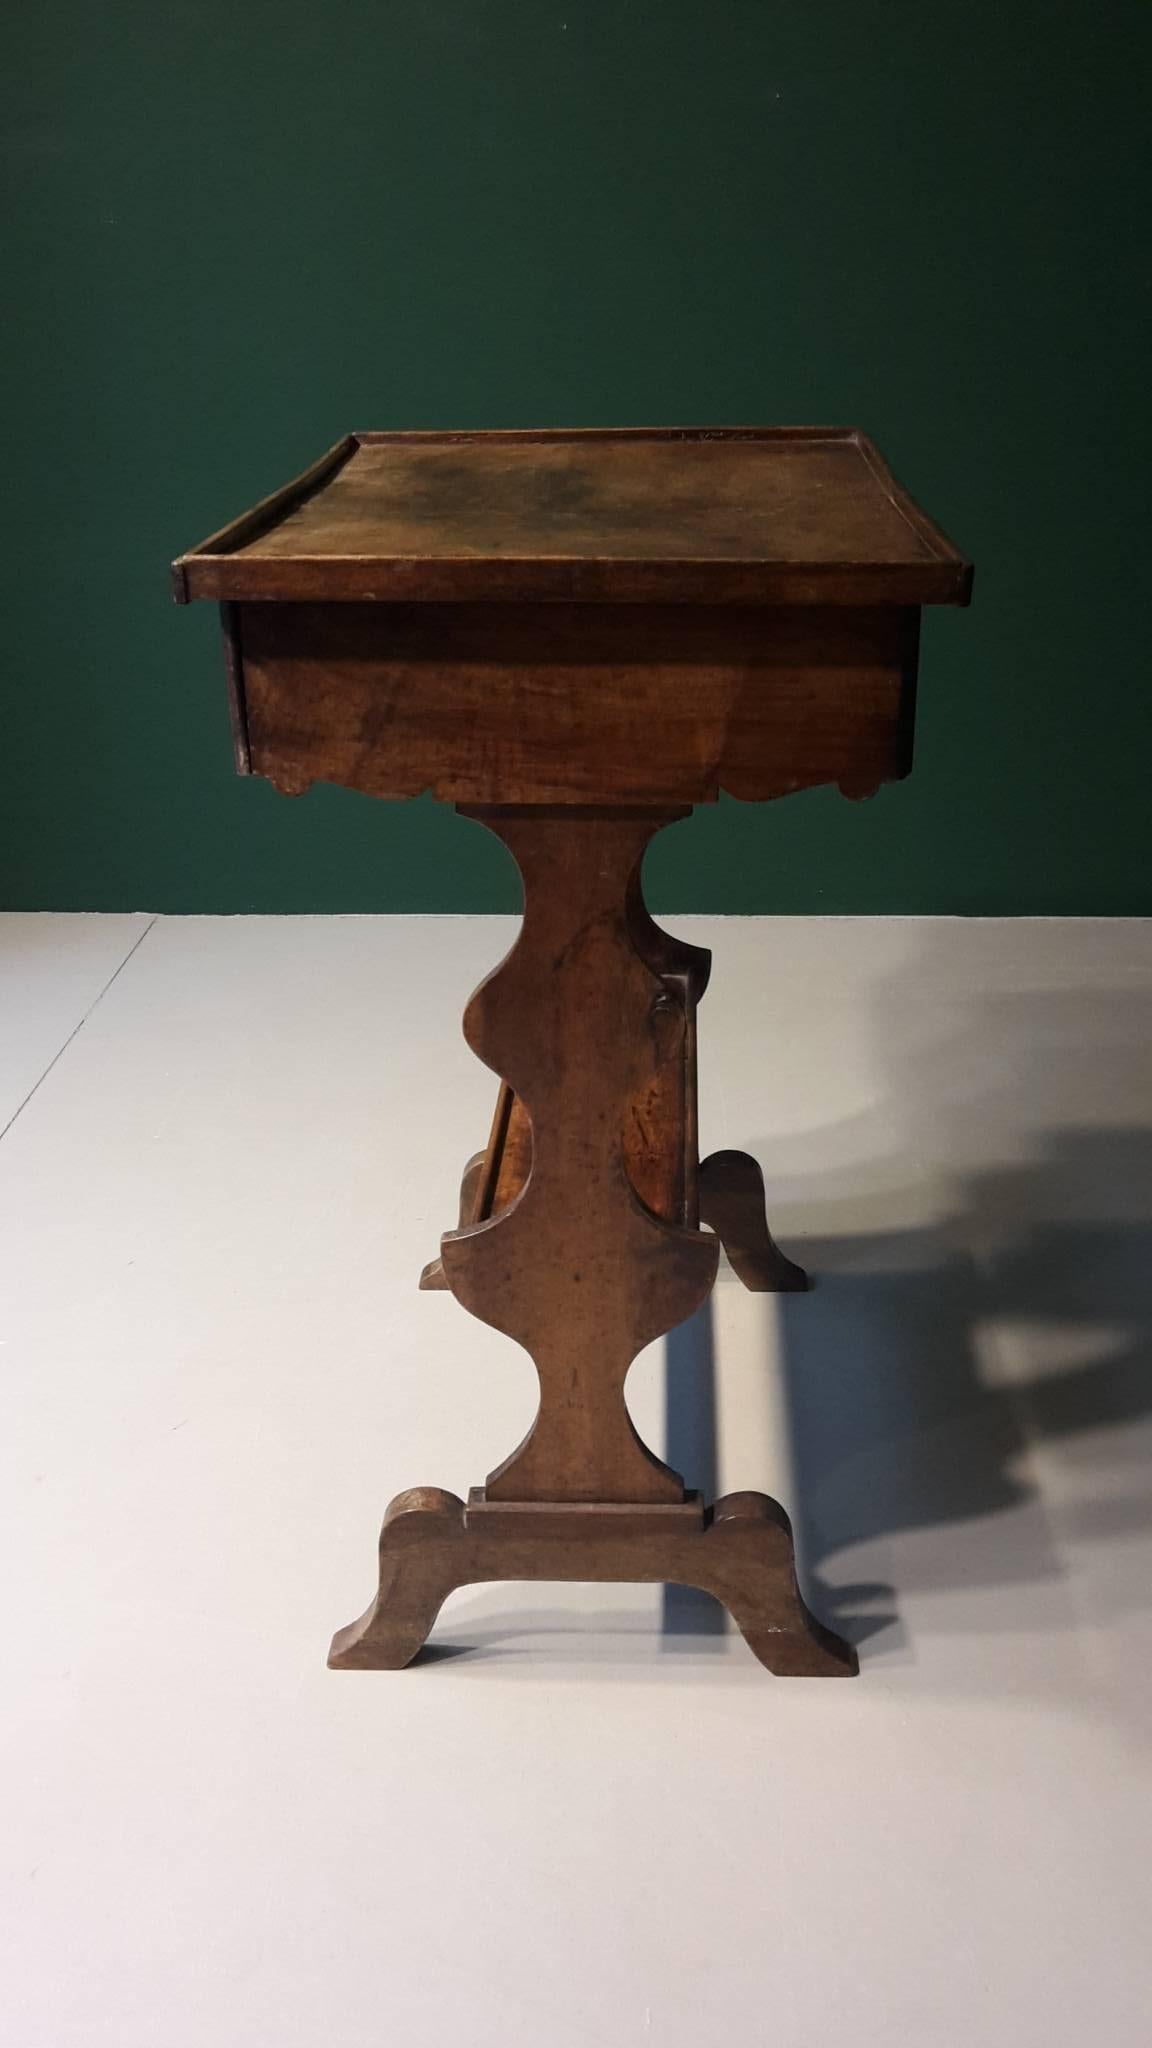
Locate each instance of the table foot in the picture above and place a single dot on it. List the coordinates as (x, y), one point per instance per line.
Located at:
(732, 1204)
(420, 1556)
(740, 1551)
(434, 1277)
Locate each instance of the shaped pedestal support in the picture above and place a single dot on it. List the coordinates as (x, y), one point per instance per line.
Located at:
(580, 1237)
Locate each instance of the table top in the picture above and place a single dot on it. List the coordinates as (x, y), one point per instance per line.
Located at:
(758, 515)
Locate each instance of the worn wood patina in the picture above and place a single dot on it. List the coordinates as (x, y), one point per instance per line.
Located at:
(575, 637)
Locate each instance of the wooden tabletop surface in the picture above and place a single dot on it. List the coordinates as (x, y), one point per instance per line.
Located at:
(745, 515)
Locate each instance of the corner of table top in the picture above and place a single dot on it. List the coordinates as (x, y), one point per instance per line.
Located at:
(267, 512)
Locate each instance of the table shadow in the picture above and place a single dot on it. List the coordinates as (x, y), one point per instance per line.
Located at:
(900, 1422)
(917, 1415)
(981, 1248)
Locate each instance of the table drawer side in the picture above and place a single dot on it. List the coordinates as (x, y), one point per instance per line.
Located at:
(576, 704)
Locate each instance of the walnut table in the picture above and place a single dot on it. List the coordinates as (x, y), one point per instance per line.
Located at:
(574, 637)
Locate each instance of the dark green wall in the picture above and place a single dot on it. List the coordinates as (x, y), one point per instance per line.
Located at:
(239, 230)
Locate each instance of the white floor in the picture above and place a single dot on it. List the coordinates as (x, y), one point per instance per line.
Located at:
(597, 1821)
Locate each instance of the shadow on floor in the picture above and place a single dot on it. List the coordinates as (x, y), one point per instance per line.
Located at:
(914, 1405)
(942, 1361)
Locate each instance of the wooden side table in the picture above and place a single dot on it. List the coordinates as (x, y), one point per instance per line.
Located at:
(574, 638)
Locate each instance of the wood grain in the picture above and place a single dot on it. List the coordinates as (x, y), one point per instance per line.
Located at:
(554, 704)
(769, 515)
(576, 1268)
(740, 1551)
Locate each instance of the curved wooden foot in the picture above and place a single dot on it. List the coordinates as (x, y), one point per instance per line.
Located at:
(740, 1551)
(420, 1547)
(732, 1204)
(751, 1570)
(433, 1276)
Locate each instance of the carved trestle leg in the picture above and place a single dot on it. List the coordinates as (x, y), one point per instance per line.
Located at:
(740, 1551)
(590, 1022)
